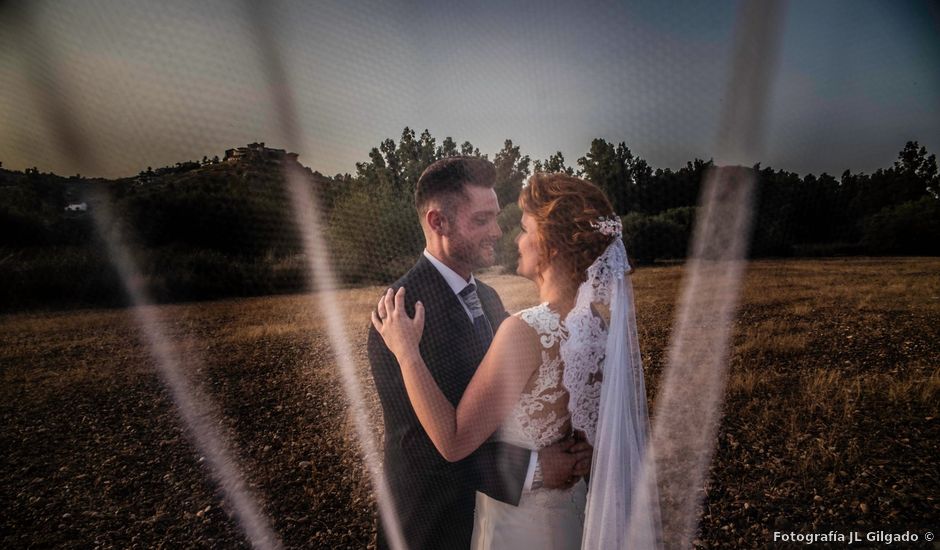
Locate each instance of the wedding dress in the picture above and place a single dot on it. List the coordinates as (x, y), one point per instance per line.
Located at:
(590, 380)
(544, 518)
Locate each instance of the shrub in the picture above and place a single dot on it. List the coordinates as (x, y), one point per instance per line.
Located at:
(57, 276)
(374, 236)
(907, 228)
(661, 236)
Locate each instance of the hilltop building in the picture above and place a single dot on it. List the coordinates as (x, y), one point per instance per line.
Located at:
(257, 152)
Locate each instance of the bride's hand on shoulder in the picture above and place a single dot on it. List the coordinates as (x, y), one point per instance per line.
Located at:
(400, 332)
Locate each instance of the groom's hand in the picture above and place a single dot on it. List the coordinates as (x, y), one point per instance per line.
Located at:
(562, 462)
(583, 467)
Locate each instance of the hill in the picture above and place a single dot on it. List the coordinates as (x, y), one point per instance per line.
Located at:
(199, 230)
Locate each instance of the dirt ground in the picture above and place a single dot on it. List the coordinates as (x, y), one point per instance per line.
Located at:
(831, 417)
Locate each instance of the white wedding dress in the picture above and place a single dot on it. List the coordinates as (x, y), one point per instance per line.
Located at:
(590, 380)
(544, 518)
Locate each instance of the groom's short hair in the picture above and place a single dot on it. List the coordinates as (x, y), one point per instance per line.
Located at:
(444, 181)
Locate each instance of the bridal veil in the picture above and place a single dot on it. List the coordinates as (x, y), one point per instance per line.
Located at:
(604, 377)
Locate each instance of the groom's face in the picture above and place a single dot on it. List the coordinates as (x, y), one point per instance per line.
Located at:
(471, 230)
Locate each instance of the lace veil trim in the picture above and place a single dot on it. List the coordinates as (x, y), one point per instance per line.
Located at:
(583, 351)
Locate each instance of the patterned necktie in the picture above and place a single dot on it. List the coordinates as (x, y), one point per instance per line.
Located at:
(480, 323)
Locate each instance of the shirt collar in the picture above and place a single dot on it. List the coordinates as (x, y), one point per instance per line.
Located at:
(454, 281)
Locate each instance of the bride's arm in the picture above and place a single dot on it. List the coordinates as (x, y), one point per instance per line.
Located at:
(495, 388)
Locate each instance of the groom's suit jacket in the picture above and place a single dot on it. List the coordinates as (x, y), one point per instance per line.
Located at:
(434, 499)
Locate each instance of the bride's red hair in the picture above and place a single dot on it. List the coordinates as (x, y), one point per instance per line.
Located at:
(564, 208)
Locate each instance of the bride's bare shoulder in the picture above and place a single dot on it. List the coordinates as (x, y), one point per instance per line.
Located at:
(516, 334)
(515, 325)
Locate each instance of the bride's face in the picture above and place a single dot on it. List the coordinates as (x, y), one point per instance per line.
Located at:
(527, 241)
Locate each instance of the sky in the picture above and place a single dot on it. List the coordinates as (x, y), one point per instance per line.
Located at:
(156, 83)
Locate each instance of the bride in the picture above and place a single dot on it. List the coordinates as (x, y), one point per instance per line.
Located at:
(570, 364)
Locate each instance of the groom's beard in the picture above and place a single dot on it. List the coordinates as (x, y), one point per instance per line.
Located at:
(475, 255)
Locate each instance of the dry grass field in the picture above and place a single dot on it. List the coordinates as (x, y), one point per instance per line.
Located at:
(831, 417)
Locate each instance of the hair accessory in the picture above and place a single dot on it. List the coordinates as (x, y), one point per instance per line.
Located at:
(608, 225)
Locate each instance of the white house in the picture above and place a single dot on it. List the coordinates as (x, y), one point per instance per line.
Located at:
(77, 207)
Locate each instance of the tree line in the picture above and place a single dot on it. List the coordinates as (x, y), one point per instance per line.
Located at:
(210, 229)
(894, 210)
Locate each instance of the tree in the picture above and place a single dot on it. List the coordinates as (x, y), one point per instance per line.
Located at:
(392, 162)
(448, 148)
(662, 236)
(554, 164)
(511, 170)
(374, 236)
(507, 253)
(774, 217)
(427, 152)
(914, 173)
(611, 169)
(912, 227)
(397, 167)
(912, 160)
(406, 162)
(817, 213)
(409, 158)
(467, 149)
(374, 174)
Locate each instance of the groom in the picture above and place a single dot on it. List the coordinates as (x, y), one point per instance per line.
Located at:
(433, 498)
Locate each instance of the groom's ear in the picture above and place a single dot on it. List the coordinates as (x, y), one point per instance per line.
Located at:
(435, 220)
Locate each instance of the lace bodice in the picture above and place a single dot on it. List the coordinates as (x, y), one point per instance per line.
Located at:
(541, 416)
